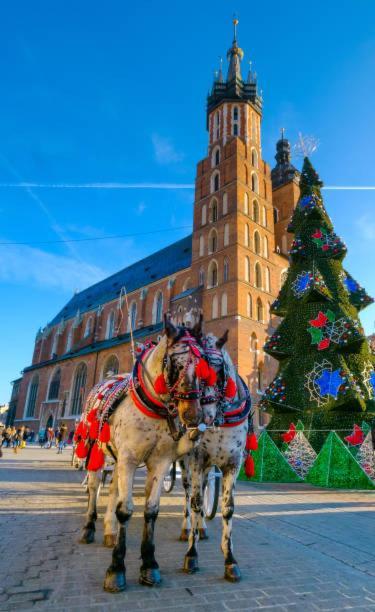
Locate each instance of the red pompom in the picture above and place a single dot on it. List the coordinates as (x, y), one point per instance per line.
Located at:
(92, 415)
(356, 437)
(160, 385)
(211, 378)
(96, 459)
(249, 467)
(81, 431)
(94, 430)
(202, 370)
(81, 450)
(251, 442)
(290, 434)
(230, 388)
(105, 433)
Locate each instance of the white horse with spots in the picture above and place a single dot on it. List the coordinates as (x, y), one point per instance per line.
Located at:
(222, 446)
(142, 431)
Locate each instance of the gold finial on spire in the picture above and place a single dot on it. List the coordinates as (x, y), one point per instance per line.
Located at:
(235, 23)
(282, 133)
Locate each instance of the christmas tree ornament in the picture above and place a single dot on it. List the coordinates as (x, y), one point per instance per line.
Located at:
(356, 437)
(366, 456)
(300, 454)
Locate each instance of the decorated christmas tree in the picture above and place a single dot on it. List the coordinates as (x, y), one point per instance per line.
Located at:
(326, 369)
(336, 467)
(270, 464)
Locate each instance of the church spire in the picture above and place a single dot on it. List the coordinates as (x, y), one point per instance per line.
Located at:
(284, 171)
(234, 56)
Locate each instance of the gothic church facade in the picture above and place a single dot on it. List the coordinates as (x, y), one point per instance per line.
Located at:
(231, 268)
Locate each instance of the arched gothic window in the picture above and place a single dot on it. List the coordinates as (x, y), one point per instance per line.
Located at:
(265, 247)
(79, 389)
(31, 397)
(247, 235)
(215, 312)
(254, 183)
(249, 306)
(201, 246)
(132, 321)
(259, 378)
(268, 279)
(226, 234)
(255, 211)
(215, 181)
(275, 215)
(216, 126)
(111, 366)
(157, 311)
(246, 204)
(110, 328)
(247, 269)
(235, 113)
(204, 214)
(258, 275)
(212, 241)
(225, 270)
(215, 158)
(54, 386)
(253, 343)
(264, 216)
(224, 305)
(213, 211)
(257, 243)
(69, 340)
(254, 158)
(201, 277)
(259, 310)
(54, 344)
(212, 274)
(88, 328)
(225, 203)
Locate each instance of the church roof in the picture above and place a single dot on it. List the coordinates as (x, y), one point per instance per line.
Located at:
(165, 262)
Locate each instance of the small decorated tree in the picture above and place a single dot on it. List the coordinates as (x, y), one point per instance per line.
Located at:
(326, 366)
(299, 452)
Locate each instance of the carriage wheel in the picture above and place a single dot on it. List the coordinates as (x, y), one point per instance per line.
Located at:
(170, 478)
(211, 493)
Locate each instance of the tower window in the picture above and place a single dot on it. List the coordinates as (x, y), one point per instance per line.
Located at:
(215, 181)
(275, 215)
(247, 269)
(255, 211)
(226, 234)
(212, 241)
(32, 393)
(201, 277)
(226, 270)
(225, 203)
(235, 113)
(201, 246)
(212, 274)
(204, 214)
(259, 310)
(254, 158)
(215, 309)
(79, 389)
(235, 129)
(249, 306)
(257, 243)
(254, 183)
(217, 157)
(224, 305)
(258, 276)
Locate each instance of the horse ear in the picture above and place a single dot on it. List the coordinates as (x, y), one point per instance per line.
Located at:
(170, 330)
(221, 341)
(197, 329)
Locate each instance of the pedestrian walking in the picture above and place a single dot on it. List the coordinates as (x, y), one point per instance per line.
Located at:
(50, 436)
(61, 437)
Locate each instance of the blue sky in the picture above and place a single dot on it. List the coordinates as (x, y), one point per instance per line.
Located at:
(115, 92)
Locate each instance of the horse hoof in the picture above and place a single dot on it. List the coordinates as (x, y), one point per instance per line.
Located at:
(88, 536)
(203, 533)
(109, 540)
(232, 572)
(114, 582)
(190, 565)
(150, 577)
(184, 535)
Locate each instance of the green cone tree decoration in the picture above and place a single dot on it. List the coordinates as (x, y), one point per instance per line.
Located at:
(326, 374)
(336, 467)
(270, 464)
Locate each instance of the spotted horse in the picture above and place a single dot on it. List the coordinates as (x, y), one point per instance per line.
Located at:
(157, 420)
(224, 445)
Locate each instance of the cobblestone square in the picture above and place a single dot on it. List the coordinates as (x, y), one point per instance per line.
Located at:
(299, 548)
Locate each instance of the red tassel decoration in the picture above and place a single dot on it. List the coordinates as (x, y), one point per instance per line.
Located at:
(92, 415)
(249, 467)
(211, 378)
(81, 431)
(81, 450)
(290, 434)
(160, 385)
(202, 370)
(94, 430)
(251, 442)
(105, 433)
(96, 459)
(230, 388)
(356, 437)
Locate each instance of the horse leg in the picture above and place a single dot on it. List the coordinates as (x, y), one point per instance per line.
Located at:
(149, 574)
(202, 526)
(191, 557)
(88, 531)
(115, 580)
(232, 571)
(110, 521)
(186, 483)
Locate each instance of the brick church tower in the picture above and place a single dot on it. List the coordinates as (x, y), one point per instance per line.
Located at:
(234, 255)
